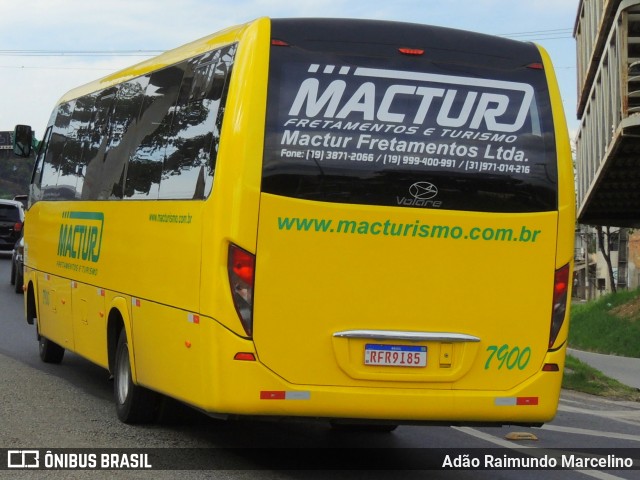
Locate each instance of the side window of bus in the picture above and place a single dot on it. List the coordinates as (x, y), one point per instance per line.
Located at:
(186, 169)
(83, 113)
(71, 164)
(144, 169)
(190, 155)
(222, 78)
(53, 159)
(95, 150)
(124, 134)
(36, 176)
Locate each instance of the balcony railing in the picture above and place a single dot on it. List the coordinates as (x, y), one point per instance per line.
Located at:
(608, 142)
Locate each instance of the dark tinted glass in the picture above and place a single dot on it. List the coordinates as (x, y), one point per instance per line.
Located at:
(9, 213)
(145, 165)
(71, 172)
(54, 159)
(34, 190)
(155, 136)
(123, 134)
(464, 126)
(190, 154)
(94, 152)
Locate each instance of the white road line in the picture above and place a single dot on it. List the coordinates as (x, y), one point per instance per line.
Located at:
(534, 451)
(593, 433)
(622, 416)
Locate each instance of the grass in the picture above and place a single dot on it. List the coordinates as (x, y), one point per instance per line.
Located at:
(609, 325)
(581, 377)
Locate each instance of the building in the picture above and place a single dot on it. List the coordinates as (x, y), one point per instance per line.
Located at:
(6, 145)
(607, 34)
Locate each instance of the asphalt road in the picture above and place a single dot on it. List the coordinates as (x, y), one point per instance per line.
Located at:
(70, 406)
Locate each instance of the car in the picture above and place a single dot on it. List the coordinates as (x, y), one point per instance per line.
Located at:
(17, 264)
(11, 223)
(23, 199)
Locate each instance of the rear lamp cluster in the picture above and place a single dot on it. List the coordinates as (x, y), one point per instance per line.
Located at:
(241, 268)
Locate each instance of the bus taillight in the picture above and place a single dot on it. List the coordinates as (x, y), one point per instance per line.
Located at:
(241, 267)
(411, 51)
(560, 295)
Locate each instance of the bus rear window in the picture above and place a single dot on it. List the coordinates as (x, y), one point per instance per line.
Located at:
(352, 120)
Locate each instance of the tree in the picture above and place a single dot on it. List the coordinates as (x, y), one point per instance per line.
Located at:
(605, 249)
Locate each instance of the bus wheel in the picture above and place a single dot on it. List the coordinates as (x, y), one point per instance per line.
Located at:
(18, 281)
(134, 404)
(50, 352)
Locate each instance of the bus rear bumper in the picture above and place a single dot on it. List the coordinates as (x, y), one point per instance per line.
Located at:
(250, 388)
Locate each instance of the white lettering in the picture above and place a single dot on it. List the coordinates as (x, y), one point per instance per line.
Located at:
(478, 107)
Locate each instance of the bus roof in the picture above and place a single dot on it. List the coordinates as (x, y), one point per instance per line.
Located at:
(170, 57)
(439, 39)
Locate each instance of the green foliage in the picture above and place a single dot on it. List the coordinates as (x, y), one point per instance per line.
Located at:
(609, 325)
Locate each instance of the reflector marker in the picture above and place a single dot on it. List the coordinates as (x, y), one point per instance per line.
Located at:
(74, 284)
(135, 302)
(245, 356)
(193, 318)
(515, 401)
(284, 395)
(100, 292)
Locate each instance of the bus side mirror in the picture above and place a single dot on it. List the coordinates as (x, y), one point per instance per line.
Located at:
(22, 140)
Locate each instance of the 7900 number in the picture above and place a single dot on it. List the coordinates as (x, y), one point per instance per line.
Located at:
(509, 357)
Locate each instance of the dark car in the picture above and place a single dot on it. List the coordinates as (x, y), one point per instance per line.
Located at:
(17, 264)
(11, 222)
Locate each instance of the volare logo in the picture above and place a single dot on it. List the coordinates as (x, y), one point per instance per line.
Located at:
(500, 106)
(423, 194)
(81, 235)
(423, 190)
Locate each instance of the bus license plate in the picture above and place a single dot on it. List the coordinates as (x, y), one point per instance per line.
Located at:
(395, 355)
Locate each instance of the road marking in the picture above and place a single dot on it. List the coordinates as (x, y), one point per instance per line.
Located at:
(630, 417)
(533, 451)
(593, 433)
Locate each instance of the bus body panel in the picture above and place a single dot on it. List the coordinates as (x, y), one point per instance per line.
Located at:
(98, 243)
(257, 390)
(232, 209)
(326, 268)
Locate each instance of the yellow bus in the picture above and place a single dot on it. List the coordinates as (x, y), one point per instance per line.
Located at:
(358, 221)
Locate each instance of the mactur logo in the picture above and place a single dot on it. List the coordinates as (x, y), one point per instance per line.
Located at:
(423, 190)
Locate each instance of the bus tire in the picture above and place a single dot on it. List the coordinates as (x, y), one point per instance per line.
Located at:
(50, 352)
(134, 404)
(18, 282)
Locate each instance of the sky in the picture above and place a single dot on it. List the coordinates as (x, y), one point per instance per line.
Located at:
(48, 47)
